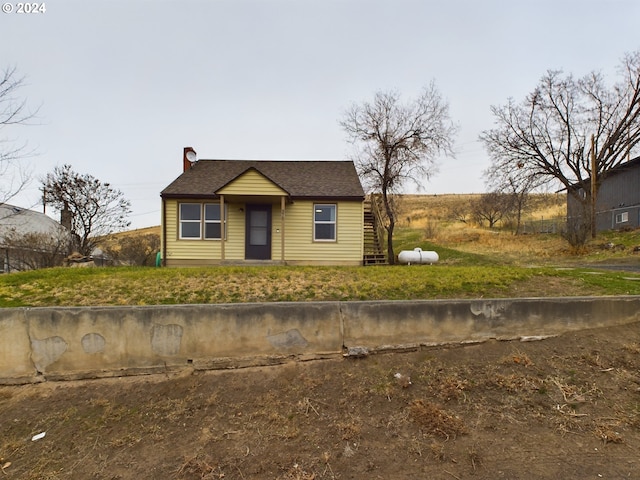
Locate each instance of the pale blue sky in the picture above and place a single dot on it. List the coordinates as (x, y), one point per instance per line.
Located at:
(125, 85)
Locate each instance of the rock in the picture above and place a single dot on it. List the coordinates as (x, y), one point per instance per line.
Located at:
(357, 352)
(403, 380)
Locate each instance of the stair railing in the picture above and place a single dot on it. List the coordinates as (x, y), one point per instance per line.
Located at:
(378, 222)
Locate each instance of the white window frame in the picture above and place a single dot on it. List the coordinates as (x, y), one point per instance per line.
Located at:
(182, 221)
(201, 221)
(333, 222)
(622, 217)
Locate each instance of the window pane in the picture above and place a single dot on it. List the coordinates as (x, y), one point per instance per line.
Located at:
(258, 236)
(622, 217)
(189, 211)
(325, 213)
(325, 231)
(212, 212)
(259, 218)
(212, 230)
(190, 229)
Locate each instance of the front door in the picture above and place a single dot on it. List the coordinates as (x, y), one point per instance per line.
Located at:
(258, 232)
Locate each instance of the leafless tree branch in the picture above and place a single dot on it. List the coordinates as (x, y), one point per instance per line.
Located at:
(396, 142)
(13, 111)
(94, 207)
(546, 137)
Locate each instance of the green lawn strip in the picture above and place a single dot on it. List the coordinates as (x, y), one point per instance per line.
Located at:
(151, 286)
(609, 282)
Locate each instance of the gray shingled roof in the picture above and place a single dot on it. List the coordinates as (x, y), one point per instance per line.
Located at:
(301, 179)
(23, 221)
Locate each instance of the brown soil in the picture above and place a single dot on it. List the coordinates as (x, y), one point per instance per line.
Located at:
(565, 407)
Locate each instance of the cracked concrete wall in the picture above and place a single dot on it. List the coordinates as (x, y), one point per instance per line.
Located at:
(15, 346)
(50, 343)
(41, 343)
(382, 324)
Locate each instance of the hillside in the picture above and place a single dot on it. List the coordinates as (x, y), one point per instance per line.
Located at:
(418, 210)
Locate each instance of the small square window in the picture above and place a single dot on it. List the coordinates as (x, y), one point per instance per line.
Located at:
(622, 217)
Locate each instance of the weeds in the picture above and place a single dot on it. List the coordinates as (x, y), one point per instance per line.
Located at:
(436, 421)
(518, 358)
(450, 387)
(607, 432)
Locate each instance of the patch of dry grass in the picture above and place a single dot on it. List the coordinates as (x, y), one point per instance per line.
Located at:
(436, 421)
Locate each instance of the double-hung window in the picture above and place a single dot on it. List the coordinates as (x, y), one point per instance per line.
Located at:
(324, 222)
(190, 220)
(199, 221)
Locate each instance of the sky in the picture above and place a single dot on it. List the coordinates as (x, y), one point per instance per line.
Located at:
(121, 87)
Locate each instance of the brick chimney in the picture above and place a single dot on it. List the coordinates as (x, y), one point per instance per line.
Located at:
(188, 158)
(66, 219)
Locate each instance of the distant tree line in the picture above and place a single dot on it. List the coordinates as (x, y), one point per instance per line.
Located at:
(494, 209)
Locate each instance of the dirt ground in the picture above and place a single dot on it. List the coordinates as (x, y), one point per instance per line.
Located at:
(565, 407)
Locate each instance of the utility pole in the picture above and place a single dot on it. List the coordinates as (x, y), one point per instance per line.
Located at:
(593, 187)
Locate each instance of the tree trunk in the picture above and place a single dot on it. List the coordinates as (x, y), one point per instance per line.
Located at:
(518, 215)
(391, 256)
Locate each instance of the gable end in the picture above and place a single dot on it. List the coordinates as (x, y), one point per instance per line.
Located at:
(251, 182)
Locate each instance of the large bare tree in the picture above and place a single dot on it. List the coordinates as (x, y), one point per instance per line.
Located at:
(93, 208)
(13, 111)
(547, 137)
(396, 142)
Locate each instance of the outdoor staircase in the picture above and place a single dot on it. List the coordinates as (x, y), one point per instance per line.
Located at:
(373, 250)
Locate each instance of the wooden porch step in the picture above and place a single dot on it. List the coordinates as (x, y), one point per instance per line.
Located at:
(374, 259)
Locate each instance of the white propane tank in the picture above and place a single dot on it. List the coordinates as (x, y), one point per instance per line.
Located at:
(417, 255)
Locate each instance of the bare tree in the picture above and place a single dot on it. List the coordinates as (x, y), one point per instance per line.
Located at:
(396, 142)
(492, 207)
(460, 211)
(94, 208)
(13, 111)
(547, 136)
(518, 185)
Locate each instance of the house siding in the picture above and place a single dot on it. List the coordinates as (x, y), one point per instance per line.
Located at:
(348, 247)
(251, 183)
(185, 249)
(300, 248)
(617, 194)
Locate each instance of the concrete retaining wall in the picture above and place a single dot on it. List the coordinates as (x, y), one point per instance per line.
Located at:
(53, 343)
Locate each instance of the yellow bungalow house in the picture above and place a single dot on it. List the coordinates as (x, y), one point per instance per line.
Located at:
(254, 211)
